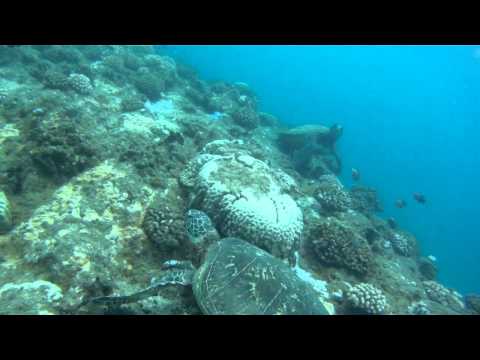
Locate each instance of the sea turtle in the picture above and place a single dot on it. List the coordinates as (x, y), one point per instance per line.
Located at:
(238, 278)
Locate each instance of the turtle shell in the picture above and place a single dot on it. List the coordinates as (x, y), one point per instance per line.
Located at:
(238, 278)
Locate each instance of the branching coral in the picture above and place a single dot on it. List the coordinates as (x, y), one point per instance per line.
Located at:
(366, 298)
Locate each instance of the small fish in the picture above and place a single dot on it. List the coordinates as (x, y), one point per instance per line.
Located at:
(392, 223)
(400, 204)
(420, 198)
(355, 174)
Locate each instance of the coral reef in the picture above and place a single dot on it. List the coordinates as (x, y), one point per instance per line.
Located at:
(401, 244)
(246, 117)
(131, 104)
(332, 195)
(149, 85)
(419, 308)
(60, 149)
(439, 293)
(105, 148)
(366, 298)
(164, 226)
(80, 83)
(336, 244)
(56, 80)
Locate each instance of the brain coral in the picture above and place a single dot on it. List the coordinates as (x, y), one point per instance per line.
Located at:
(245, 199)
(337, 244)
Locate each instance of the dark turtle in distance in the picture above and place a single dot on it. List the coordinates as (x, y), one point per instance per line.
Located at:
(236, 278)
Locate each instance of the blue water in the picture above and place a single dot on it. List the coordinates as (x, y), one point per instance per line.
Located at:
(411, 117)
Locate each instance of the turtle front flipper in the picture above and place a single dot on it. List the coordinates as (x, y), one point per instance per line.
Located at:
(176, 273)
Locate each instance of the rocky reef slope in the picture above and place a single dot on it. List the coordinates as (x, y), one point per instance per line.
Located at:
(105, 149)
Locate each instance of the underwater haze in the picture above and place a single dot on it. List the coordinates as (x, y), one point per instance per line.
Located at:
(410, 116)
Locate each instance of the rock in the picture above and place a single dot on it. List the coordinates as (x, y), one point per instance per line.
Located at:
(30, 298)
(88, 234)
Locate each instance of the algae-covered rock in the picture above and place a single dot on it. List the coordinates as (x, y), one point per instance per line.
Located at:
(89, 230)
(30, 298)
